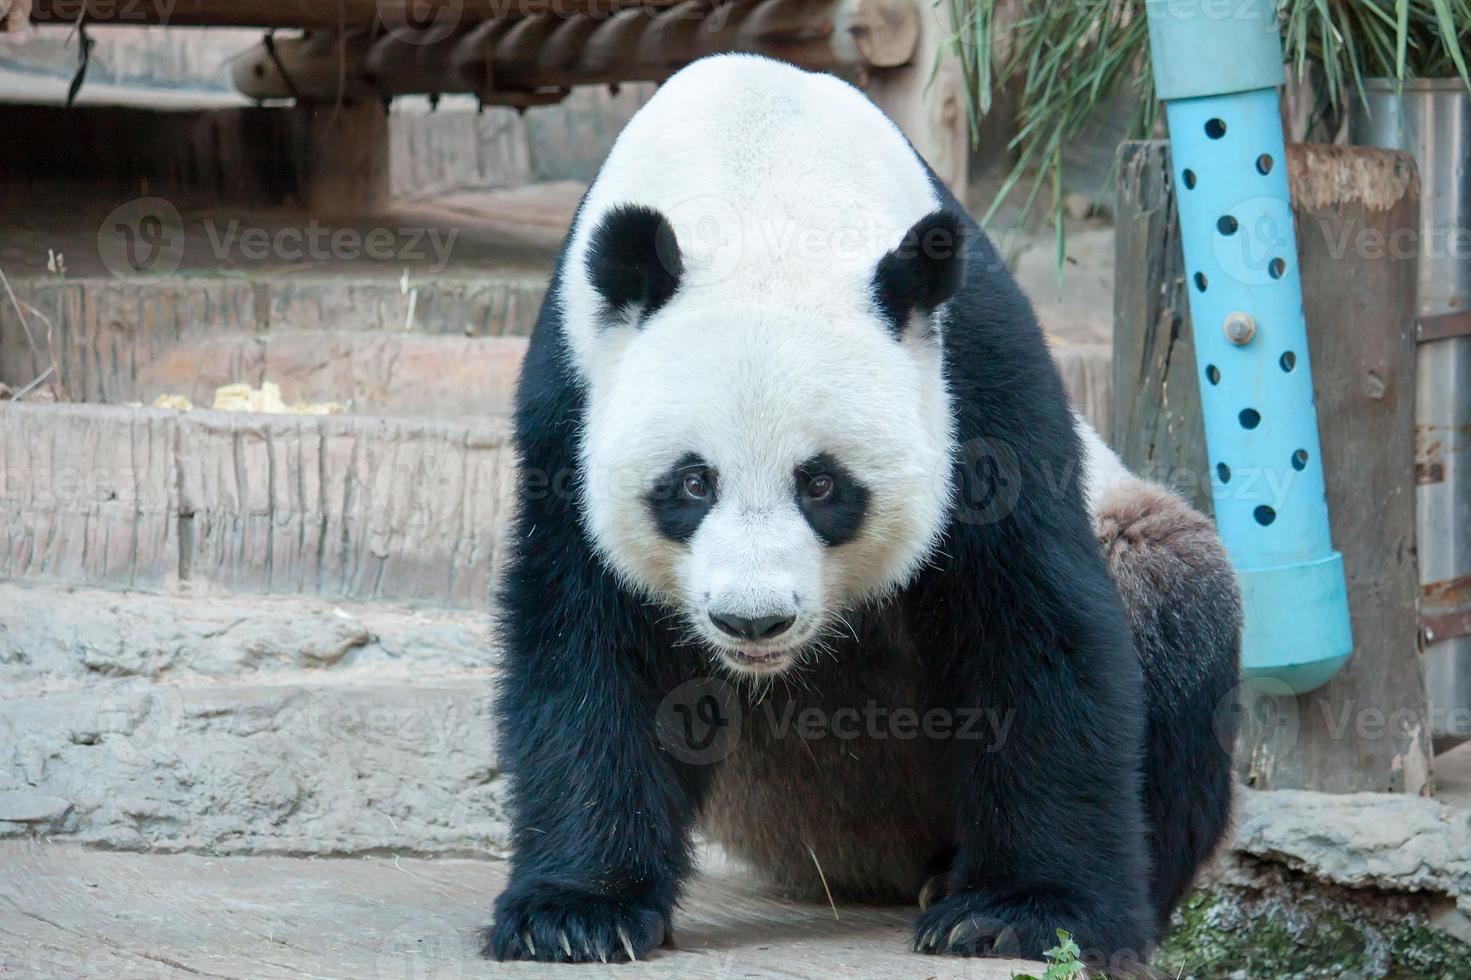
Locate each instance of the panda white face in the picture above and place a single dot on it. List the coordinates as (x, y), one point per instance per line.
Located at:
(759, 474)
(759, 471)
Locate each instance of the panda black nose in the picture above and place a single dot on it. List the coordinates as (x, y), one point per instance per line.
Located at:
(752, 628)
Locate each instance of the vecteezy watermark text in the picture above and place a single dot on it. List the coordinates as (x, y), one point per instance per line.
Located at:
(318, 242)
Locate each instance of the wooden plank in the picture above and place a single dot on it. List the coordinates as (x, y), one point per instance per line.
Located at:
(320, 14)
(1367, 729)
(1157, 425)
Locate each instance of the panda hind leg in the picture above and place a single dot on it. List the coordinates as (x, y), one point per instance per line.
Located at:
(1184, 609)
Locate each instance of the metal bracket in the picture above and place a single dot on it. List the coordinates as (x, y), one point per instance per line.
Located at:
(1443, 326)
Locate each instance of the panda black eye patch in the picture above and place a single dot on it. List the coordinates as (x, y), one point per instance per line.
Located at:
(680, 499)
(831, 498)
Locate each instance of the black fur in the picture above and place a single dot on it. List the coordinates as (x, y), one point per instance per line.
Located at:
(1044, 828)
(837, 518)
(923, 271)
(633, 260)
(678, 515)
(601, 815)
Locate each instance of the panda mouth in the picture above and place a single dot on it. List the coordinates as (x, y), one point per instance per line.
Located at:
(758, 660)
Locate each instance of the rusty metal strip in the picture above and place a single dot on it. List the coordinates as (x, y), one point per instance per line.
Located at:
(1443, 326)
(1445, 610)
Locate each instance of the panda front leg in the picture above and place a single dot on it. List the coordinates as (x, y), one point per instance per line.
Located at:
(1032, 659)
(601, 815)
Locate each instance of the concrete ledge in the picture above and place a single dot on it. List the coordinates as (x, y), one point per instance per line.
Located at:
(69, 912)
(343, 506)
(118, 342)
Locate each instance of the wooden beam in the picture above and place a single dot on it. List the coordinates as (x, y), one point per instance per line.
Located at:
(528, 59)
(1368, 728)
(410, 15)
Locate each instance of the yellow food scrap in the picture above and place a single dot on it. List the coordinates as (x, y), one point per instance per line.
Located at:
(241, 397)
(177, 402)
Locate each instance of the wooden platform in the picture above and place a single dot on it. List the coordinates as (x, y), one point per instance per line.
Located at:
(69, 912)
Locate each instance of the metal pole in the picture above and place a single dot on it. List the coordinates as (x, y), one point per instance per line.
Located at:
(1217, 67)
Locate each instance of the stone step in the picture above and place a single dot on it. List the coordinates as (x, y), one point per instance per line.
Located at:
(240, 723)
(67, 912)
(245, 725)
(63, 638)
(349, 507)
(119, 342)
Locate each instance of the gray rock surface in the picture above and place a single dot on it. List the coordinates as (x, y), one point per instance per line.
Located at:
(67, 912)
(245, 724)
(1361, 840)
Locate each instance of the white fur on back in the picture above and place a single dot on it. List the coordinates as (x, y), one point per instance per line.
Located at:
(1103, 471)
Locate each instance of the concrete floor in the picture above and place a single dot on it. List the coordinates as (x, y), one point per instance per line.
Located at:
(70, 912)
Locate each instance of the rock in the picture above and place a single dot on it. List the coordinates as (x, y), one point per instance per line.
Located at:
(1078, 206)
(1360, 840)
(300, 766)
(53, 637)
(1317, 885)
(29, 806)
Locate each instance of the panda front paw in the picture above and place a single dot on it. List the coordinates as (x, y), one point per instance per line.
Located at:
(967, 924)
(560, 925)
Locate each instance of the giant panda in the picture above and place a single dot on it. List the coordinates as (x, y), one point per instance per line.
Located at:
(788, 431)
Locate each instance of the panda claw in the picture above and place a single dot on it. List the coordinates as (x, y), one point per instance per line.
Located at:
(526, 940)
(627, 945)
(566, 943)
(930, 892)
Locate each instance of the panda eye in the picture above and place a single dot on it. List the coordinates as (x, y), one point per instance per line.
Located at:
(819, 487)
(696, 486)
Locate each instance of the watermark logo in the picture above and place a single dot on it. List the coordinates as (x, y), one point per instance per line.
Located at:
(699, 722)
(990, 481)
(432, 950)
(142, 240)
(1259, 711)
(421, 21)
(1254, 243)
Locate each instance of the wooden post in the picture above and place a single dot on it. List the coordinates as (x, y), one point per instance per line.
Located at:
(928, 102)
(1354, 208)
(343, 157)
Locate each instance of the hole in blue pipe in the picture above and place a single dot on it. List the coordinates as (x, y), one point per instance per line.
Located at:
(1276, 268)
(1288, 361)
(1215, 128)
(1189, 177)
(1264, 515)
(1300, 459)
(1250, 418)
(1264, 164)
(1213, 374)
(1226, 225)
(1200, 281)
(1224, 472)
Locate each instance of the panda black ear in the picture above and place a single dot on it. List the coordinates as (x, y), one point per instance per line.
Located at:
(633, 261)
(923, 271)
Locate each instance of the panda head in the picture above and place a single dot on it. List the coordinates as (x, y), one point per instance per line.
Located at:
(759, 467)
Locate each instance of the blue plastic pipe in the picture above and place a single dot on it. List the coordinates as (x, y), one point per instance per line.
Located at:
(1217, 66)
